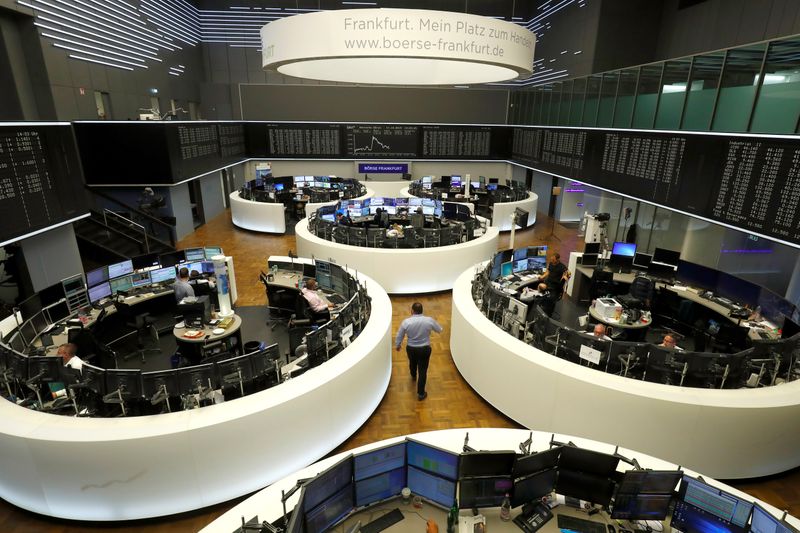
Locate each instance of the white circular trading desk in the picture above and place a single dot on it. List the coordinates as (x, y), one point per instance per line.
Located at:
(312, 207)
(267, 503)
(502, 211)
(142, 467)
(402, 270)
(268, 217)
(727, 434)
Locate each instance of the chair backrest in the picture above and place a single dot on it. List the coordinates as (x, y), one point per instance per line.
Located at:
(384, 219)
(417, 220)
(642, 288)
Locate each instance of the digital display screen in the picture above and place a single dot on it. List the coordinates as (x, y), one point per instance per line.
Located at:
(667, 257)
(624, 249)
(120, 269)
(329, 512)
(329, 482)
(161, 275)
(98, 292)
(432, 459)
(483, 491)
(96, 276)
(140, 279)
(433, 488)
(380, 487)
(701, 508)
(194, 254)
(521, 265)
(378, 461)
(532, 488)
(121, 284)
(507, 269)
(211, 251)
(764, 522)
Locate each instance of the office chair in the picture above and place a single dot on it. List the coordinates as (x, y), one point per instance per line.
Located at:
(280, 302)
(374, 236)
(357, 237)
(417, 220)
(304, 316)
(431, 237)
(384, 219)
(143, 327)
(602, 284)
(340, 235)
(642, 289)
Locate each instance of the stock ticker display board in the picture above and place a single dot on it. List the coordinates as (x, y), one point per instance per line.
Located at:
(41, 184)
(751, 182)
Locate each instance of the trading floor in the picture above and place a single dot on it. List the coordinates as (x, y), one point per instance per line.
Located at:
(451, 402)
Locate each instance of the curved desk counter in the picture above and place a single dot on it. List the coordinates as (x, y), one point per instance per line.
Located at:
(312, 207)
(266, 504)
(502, 211)
(401, 271)
(257, 216)
(131, 468)
(729, 433)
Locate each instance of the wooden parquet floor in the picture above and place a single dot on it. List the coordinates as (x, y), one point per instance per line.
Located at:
(451, 403)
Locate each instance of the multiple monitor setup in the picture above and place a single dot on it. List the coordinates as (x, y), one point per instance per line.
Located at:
(149, 270)
(763, 363)
(451, 223)
(317, 188)
(462, 188)
(484, 479)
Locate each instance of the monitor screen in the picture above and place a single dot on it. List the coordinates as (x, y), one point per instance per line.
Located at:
(584, 486)
(211, 251)
(194, 254)
(531, 464)
(475, 184)
(591, 248)
(520, 253)
(98, 292)
(641, 506)
(537, 251)
(626, 249)
(455, 181)
(140, 279)
(433, 488)
(328, 483)
(379, 461)
(589, 259)
(428, 210)
(737, 289)
(696, 275)
(641, 260)
(700, 508)
(532, 488)
(494, 180)
(497, 463)
(330, 511)
(120, 269)
(432, 459)
(96, 276)
(507, 268)
(145, 261)
(380, 487)
(161, 275)
(481, 492)
(588, 461)
(172, 258)
(649, 481)
(491, 187)
(121, 284)
(764, 522)
(278, 186)
(667, 257)
(520, 266)
(299, 180)
(414, 202)
(537, 263)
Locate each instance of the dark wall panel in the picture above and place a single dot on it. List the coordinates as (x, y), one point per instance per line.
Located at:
(372, 104)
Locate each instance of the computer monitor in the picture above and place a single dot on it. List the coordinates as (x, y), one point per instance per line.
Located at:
(486, 464)
(435, 489)
(475, 184)
(194, 254)
(141, 262)
(520, 253)
(790, 328)
(263, 361)
(127, 381)
(97, 276)
(666, 257)
(532, 487)
(494, 180)
(507, 268)
(235, 370)
(47, 369)
(379, 461)
(520, 266)
(491, 186)
(698, 276)
(764, 522)
(626, 249)
(380, 487)
(591, 248)
(537, 462)
(737, 289)
(172, 258)
(426, 179)
(701, 507)
(140, 279)
(588, 461)
(589, 259)
(160, 381)
(432, 459)
(196, 310)
(328, 482)
(98, 292)
(455, 182)
(649, 481)
(479, 492)
(192, 378)
(121, 284)
(642, 261)
(211, 251)
(641, 506)
(163, 275)
(120, 269)
(329, 512)
(585, 486)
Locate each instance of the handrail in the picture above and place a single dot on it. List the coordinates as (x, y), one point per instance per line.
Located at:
(140, 213)
(106, 212)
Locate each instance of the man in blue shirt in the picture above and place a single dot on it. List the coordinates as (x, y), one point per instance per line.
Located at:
(418, 328)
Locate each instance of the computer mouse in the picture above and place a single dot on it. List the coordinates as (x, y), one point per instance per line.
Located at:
(611, 529)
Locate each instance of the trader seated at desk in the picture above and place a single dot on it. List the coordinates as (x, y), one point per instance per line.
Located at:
(343, 219)
(669, 342)
(381, 218)
(67, 352)
(318, 307)
(599, 331)
(181, 286)
(542, 296)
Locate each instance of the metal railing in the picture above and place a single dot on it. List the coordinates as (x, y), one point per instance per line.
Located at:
(129, 223)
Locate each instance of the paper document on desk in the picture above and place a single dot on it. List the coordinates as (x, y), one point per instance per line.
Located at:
(590, 354)
(679, 288)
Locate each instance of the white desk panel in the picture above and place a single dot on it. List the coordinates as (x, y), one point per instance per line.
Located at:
(501, 216)
(257, 216)
(267, 503)
(390, 189)
(312, 207)
(725, 433)
(130, 468)
(402, 270)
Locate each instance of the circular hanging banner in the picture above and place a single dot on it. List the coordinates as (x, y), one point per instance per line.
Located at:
(397, 47)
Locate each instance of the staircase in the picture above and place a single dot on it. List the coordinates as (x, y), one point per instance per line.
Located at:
(109, 237)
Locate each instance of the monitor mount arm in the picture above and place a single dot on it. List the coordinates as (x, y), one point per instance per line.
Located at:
(633, 462)
(525, 446)
(467, 447)
(285, 495)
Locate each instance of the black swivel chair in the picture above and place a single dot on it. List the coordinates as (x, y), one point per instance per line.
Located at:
(602, 284)
(305, 316)
(642, 289)
(143, 327)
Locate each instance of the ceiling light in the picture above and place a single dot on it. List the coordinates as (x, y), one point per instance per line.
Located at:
(397, 47)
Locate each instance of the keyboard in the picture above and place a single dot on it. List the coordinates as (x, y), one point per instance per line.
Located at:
(389, 519)
(335, 299)
(580, 525)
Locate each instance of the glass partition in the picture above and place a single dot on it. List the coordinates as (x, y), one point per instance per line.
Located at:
(778, 105)
(608, 95)
(673, 94)
(592, 100)
(566, 101)
(706, 72)
(738, 87)
(649, 87)
(576, 109)
(626, 93)
(555, 101)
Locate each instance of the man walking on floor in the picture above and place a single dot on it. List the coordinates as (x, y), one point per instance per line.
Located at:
(418, 327)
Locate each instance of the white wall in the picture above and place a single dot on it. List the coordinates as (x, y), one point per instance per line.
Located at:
(52, 256)
(211, 192)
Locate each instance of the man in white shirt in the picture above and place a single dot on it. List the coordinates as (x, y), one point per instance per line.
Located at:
(315, 303)
(67, 353)
(418, 329)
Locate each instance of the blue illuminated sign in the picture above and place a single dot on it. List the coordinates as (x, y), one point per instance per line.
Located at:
(383, 168)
